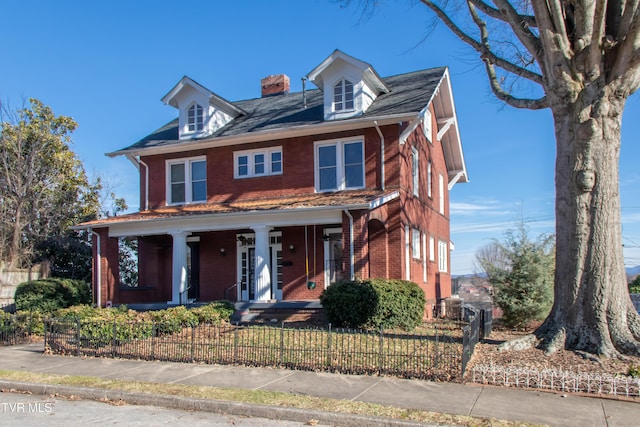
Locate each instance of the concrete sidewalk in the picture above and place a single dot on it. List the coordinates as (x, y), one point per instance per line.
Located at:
(477, 401)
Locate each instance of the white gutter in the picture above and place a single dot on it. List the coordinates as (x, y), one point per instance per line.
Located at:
(137, 161)
(351, 250)
(98, 272)
(375, 123)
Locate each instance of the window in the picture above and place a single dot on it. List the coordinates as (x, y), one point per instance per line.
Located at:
(339, 165)
(415, 171)
(195, 118)
(441, 192)
(187, 180)
(432, 249)
(251, 163)
(426, 125)
(429, 193)
(424, 258)
(442, 256)
(415, 243)
(343, 96)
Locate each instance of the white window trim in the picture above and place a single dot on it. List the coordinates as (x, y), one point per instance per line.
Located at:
(342, 82)
(429, 180)
(188, 196)
(427, 126)
(432, 249)
(195, 106)
(415, 243)
(441, 192)
(442, 256)
(407, 257)
(424, 257)
(415, 171)
(340, 176)
(251, 162)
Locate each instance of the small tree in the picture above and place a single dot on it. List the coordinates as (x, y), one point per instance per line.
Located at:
(523, 278)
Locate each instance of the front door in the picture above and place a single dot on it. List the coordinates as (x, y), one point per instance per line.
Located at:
(332, 256)
(247, 266)
(193, 271)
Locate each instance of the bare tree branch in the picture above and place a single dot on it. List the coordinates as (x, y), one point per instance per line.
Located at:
(528, 20)
(482, 49)
(496, 87)
(627, 51)
(520, 28)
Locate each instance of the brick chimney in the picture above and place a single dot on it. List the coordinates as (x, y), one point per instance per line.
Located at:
(275, 85)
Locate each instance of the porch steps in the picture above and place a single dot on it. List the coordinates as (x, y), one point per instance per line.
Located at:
(279, 312)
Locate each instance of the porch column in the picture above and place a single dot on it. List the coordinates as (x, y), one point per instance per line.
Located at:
(179, 266)
(263, 271)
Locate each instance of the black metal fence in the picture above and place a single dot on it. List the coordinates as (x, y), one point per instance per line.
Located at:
(478, 328)
(434, 353)
(16, 329)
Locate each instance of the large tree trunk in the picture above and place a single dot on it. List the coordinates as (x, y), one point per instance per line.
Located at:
(592, 310)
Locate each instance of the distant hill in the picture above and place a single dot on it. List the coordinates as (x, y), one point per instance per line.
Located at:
(632, 271)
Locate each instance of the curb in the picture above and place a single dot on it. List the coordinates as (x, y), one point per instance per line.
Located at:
(209, 405)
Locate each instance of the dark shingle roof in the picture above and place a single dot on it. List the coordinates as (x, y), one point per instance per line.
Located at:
(410, 93)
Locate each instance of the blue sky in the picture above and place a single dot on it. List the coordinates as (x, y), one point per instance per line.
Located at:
(108, 63)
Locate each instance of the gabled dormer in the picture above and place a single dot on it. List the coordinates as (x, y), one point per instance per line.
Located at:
(202, 112)
(349, 85)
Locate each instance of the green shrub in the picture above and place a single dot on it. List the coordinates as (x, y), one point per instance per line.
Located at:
(634, 286)
(48, 295)
(214, 313)
(374, 304)
(634, 371)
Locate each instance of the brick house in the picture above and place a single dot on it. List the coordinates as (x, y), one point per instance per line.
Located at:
(277, 197)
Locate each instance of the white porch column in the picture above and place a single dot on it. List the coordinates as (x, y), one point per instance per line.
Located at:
(179, 266)
(263, 270)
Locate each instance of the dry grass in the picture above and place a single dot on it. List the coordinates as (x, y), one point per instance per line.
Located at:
(263, 397)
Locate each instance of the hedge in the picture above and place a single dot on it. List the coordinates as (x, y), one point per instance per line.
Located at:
(374, 304)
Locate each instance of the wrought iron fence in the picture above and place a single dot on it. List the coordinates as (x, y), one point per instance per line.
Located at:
(16, 329)
(432, 354)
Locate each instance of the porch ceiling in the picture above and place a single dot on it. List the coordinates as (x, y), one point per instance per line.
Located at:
(317, 208)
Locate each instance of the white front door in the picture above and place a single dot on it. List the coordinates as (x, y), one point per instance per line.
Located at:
(332, 256)
(246, 265)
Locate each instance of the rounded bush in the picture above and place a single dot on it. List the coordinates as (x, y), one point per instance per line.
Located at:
(48, 295)
(374, 304)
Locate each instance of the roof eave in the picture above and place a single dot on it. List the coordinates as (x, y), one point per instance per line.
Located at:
(270, 134)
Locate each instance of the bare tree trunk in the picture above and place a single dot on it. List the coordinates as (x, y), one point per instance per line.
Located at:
(592, 309)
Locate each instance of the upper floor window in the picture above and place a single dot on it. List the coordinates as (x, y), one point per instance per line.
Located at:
(339, 165)
(429, 183)
(415, 171)
(187, 180)
(343, 96)
(195, 118)
(441, 192)
(250, 163)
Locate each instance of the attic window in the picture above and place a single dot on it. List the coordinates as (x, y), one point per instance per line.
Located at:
(343, 96)
(195, 119)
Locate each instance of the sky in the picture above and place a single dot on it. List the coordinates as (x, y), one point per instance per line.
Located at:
(107, 64)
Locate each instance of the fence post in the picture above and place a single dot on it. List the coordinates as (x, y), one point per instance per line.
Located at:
(380, 355)
(281, 344)
(77, 336)
(153, 339)
(235, 343)
(329, 348)
(115, 330)
(44, 324)
(193, 343)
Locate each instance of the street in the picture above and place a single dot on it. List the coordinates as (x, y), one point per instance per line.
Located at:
(24, 409)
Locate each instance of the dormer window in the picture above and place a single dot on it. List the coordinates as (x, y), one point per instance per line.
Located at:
(343, 96)
(195, 118)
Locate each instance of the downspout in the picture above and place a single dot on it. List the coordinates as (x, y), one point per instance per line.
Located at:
(375, 123)
(351, 250)
(98, 272)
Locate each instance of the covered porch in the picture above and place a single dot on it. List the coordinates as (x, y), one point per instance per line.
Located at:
(261, 253)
